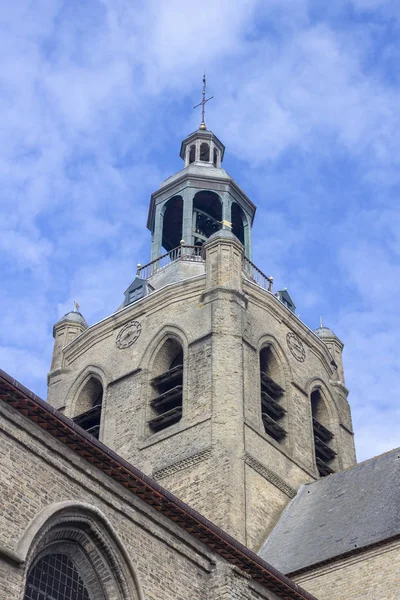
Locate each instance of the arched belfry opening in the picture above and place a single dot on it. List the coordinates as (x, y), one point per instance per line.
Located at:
(172, 223)
(167, 386)
(215, 157)
(207, 216)
(88, 407)
(238, 220)
(323, 436)
(205, 152)
(272, 395)
(192, 154)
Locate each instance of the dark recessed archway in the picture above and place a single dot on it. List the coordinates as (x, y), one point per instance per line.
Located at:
(238, 220)
(207, 208)
(172, 223)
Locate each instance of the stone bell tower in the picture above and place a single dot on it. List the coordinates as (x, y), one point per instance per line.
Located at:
(204, 378)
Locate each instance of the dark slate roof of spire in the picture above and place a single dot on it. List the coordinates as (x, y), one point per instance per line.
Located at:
(345, 511)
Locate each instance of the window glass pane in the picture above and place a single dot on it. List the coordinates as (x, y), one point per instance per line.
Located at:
(55, 577)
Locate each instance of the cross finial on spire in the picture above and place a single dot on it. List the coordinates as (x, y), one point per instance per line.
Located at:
(203, 103)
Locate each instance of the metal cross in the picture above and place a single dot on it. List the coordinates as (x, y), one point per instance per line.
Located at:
(203, 103)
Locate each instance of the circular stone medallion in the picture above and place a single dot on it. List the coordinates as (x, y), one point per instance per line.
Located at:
(128, 334)
(296, 347)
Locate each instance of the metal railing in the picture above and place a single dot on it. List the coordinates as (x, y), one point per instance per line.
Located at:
(182, 252)
(256, 275)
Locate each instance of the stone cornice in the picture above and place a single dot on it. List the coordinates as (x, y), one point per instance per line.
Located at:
(155, 301)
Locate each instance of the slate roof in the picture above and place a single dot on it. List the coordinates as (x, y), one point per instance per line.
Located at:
(338, 514)
(201, 170)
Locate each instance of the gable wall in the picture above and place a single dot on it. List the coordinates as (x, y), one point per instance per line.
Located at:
(373, 574)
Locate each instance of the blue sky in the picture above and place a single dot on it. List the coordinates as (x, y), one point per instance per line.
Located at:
(95, 98)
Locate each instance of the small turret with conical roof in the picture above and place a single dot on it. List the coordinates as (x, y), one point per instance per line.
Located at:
(65, 330)
(335, 347)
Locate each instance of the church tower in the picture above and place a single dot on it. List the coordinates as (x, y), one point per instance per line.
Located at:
(204, 378)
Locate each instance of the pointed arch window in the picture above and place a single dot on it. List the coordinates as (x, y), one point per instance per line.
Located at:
(55, 577)
(323, 436)
(167, 386)
(88, 407)
(272, 394)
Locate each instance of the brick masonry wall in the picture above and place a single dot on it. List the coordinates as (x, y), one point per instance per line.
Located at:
(367, 576)
(38, 471)
(222, 321)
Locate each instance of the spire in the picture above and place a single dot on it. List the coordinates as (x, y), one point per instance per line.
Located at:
(203, 103)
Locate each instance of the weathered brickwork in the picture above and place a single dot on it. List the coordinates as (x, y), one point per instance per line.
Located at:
(40, 474)
(221, 320)
(369, 575)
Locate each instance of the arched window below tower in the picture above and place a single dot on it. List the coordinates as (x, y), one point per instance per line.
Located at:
(88, 407)
(207, 210)
(55, 577)
(238, 220)
(272, 394)
(192, 154)
(205, 152)
(75, 554)
(323, 437)
(215, 157)
(167, 386)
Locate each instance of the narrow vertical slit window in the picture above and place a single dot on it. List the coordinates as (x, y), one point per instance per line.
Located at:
(272, 394)
(167, 387)
(323, 437)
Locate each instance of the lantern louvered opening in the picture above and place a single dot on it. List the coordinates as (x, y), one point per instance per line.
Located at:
(324, 453)
(272, 393)
(167, 404)
(89, 405)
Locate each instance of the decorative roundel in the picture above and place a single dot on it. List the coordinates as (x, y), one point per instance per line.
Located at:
(296, 347)
(128, 334)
